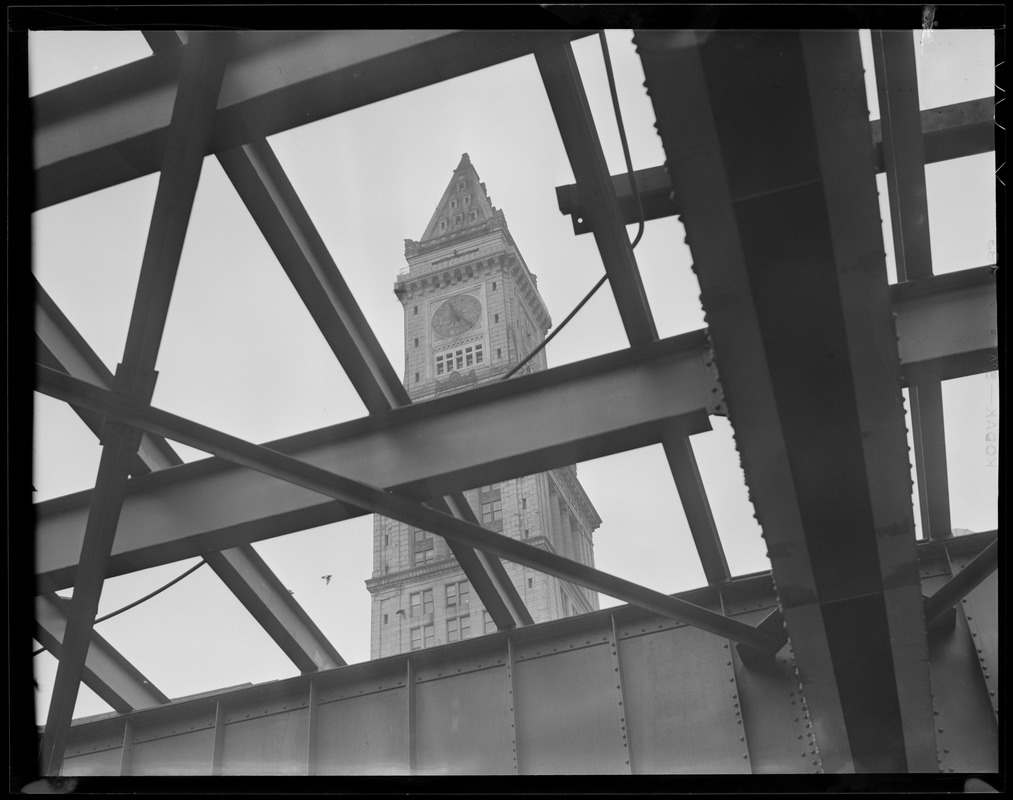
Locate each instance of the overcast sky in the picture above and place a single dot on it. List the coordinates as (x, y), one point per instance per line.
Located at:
(240, 353)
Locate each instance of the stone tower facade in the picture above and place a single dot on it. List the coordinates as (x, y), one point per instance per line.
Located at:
(472, 311)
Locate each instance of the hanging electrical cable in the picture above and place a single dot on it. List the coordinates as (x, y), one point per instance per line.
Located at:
(636, 197)
(137, 602)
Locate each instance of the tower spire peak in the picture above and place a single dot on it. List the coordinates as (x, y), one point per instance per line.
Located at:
(463, 209)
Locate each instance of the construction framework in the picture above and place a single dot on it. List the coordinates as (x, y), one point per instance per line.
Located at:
(771, 163)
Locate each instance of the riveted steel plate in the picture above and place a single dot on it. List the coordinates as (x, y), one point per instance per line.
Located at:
(365, 735)
(966, 733)
(464, 724)
(774, 712)
(267, 744)
(680, 703)
(567, 715)
(101, 762)
(183, 754)
(982, 611)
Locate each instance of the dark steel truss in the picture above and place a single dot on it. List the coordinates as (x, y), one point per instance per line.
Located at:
(789, 257)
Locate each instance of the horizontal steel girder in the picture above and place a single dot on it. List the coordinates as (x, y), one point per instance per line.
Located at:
(61, 347)
(106, 671)
(946, 327)
(674, 685)
(953, 131)
(570, 413)
(396, 505)
(111, 128)
(765, 135)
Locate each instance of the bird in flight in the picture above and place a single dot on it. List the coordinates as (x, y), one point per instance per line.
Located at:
(326, 579)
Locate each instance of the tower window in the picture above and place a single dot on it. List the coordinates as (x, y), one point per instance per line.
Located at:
(459, 359)
(416, 377)
(527, 533)
(495, 317)
(458, 595)
(494, 286)
(524, 502)
(416, 341)
(415, 310)
(443, 225)
(386, 538)
(499, 353)
(459, 628)
(460, 184)
(492, 511)
(467, 199)
(422, 637)
(384, 619)
(453, 204)
(457, 219)
(530, 583)
(473, 216)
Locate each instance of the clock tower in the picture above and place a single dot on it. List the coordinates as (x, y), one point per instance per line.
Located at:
(472, 312)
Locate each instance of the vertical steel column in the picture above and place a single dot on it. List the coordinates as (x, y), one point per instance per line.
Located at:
(513, 701)
(413, 745)
(737, 703)
(189, 134)
(313, 722)
(985, 639)
(218, 743)
(128, 746)
(904, 159)
(620, 698)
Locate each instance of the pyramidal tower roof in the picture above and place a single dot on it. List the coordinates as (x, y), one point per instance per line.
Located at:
(463, 209)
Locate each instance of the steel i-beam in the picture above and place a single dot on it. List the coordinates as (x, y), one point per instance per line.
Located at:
(766, 137)
(580, 138)
(189, 132)
(61, 347)
(112, 127)
(106, 671)
(904, 161)
(946, 328)
(395, 505)
(954, 131)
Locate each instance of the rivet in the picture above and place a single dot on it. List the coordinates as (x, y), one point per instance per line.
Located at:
(744, 755)
(742, 738)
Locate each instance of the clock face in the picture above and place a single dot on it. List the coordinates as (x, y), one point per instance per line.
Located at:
(457, 315)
